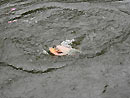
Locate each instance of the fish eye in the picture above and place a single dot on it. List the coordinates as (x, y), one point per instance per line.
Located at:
(54, 46)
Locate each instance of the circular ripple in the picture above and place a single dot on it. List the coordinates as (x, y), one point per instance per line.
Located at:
(100, 28)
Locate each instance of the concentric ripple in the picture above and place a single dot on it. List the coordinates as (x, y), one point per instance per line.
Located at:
(41, 26)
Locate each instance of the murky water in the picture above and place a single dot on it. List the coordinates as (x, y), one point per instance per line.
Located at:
(101, 30)
(35, 26)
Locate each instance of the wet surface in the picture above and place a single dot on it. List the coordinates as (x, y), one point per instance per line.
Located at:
(101, 31)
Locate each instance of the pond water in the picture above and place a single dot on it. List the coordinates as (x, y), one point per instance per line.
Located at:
(28, 27)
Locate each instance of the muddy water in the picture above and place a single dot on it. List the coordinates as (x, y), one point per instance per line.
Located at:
(101, 31)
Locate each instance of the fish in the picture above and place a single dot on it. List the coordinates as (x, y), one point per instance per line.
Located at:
(59, 50)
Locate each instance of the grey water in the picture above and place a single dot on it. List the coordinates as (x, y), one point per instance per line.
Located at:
(101, 30)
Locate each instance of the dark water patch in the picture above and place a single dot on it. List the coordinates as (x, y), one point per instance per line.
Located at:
(32, 12)
(105, 88)
(19, 1)
(66, 13)
(117, 40)
(125, 11)
(78, 41)
(29, 71)
(5, 1)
